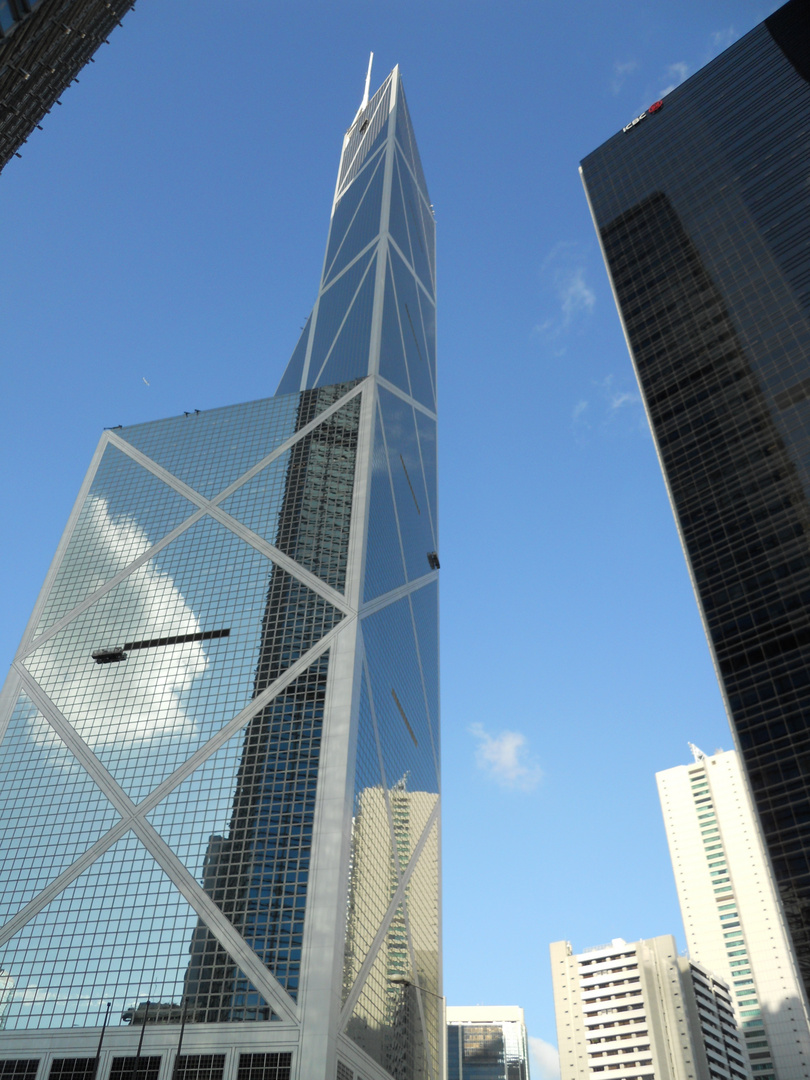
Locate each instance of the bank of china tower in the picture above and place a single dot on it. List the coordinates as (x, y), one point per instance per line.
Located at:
(220, 736)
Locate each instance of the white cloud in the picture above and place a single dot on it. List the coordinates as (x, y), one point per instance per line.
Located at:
(579, 409)
(506, 758)
(721, 39)
(620, 74)
(148, 693)
(675, 73)
(563, 271)
(575, 296)
(545, 1060)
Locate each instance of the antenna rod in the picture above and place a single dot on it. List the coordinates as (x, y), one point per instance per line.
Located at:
(368, 82)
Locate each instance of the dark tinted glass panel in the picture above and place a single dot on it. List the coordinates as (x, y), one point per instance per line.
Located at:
(135, 1068)
(264, 1066)
(200, 1067)
(703, 209)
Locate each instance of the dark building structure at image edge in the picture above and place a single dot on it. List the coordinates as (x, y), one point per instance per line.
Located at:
(703, 211)
(44, 44)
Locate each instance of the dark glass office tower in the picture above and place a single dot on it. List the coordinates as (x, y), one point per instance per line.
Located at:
(44, 44)
(220, 759)
(702, 206)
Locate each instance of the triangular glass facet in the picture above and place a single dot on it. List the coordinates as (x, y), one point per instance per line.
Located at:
(425, 607)
(51, 811)
(410, 316)
(426, 430)
(372, 875)
(407, 142)
(384, 568)
(314, 520)
(126, 511)
(209, 450)
(356, 220)
(405, 463)
(121, 933)
(291, 379)
(348, 357)
(242, 823)
(333, 307)
(202, 625)
(392, 351)
(412, 202)
(399, 701)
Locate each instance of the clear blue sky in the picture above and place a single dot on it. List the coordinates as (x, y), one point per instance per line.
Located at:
(168, 225)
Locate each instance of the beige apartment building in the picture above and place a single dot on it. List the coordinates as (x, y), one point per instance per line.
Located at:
(639, 1011)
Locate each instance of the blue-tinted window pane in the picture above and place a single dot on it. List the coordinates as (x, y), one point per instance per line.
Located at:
(209, 450)
(333, 309)
(405, 463)
(384, 565)
(126, 511)
(399, 701)
(356, 220)
(413, 332)
(412, 202)
(392, 350)
(50, 809)
(145, 715)
(349, 357)
(242, 825)
(120, 932)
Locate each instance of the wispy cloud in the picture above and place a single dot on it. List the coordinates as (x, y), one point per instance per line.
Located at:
(563, 273)
(721, 39)
(675, 73)
(545, 1059)
(608, 402)
(506, 758)
(620, 74)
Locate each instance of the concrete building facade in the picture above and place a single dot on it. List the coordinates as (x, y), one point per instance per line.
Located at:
(730, 908)
(639, 1011)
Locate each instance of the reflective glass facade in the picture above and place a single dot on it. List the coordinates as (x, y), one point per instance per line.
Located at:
(220, 750)
(703, 211)
(487, 1044)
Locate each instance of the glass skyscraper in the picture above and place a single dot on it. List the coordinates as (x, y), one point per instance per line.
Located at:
(702, 206)
(220, 737)
(487, 1043)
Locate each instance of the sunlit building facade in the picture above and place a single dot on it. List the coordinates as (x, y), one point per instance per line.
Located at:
(220, 751)
(731, 913)
(641, 1010)
(702, 207)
